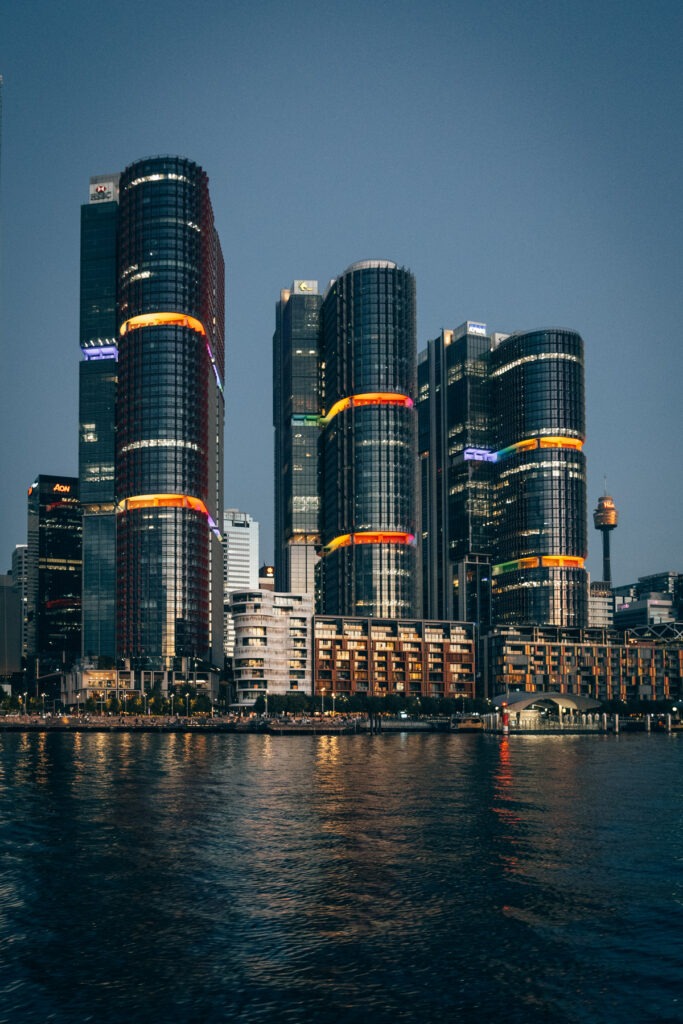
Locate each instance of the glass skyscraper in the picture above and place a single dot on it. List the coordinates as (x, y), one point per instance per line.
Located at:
(170, 413)
(296, 409)
(368, 443)
(54, 572)
(97, 403)
(539, 499)
(456, 465)
(503, 477)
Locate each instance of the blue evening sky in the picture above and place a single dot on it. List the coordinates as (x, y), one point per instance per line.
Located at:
(522, 157)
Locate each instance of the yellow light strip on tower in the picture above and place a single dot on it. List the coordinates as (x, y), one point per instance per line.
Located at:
(531, 443)
(139, 501)
(370, 537)
(536, 561)
(162, 501)
(339, 542)
(368, 398)
(561, 442)
(160, 320)
(563, 561)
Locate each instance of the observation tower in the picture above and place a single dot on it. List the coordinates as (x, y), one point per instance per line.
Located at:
(605, 518)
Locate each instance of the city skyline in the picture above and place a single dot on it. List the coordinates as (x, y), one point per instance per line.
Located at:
(525, 165)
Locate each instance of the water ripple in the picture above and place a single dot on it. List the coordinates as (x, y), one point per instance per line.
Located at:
(399, 878)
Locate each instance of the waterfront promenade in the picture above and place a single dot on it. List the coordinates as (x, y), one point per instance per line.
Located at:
(597, 724)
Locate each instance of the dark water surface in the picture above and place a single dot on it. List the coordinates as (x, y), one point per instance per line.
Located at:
(403, 878)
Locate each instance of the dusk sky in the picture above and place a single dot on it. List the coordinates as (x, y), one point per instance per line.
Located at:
(522, 157)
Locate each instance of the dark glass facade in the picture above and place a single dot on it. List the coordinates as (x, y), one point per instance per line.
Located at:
(97, 403)
(170, 416)
(539, 500)
(456, 472)
(296, 411)
(54, 572)
(368, 443)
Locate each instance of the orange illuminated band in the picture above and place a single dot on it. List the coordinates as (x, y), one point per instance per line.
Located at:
(563, 561)
(538, 561)
(368, 398)
(370, 537)
(561, 442)
(173, 320)
(162, 320)
(140, 501)
(530, 443)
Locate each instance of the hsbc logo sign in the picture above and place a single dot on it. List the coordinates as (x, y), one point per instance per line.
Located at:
(102, 191)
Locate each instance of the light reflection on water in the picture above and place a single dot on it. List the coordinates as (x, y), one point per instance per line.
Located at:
(401, 878)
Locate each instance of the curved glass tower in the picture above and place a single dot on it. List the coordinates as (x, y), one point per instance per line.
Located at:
(539, 505)
(170, 411)
(368, 443)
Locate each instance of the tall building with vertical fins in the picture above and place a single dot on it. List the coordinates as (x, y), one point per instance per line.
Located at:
(170, 415)
(539, 501)
(97, 405)
(456, 470)
(296, 410)
(503, 477)
(368, 443)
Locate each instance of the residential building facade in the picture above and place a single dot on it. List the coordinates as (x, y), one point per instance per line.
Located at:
(600, 663)
(272, 644)
(410, 658)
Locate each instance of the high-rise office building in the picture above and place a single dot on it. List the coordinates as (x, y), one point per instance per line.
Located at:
(170, 412)
(240, 564)
(54, 571)
(539, 498)
(20, 583)
(456, 472)
(10, 631)
(503, 478)
(97, 405)
(368, 443)
(241, 551)
(296, 408)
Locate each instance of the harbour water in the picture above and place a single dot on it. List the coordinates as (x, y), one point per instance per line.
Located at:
(403, 878)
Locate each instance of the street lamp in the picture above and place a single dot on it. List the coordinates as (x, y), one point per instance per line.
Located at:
(334, 695)
(43, 695)
(78, 705)
(322, 701)
(172, 699)
(25, 695)
(144, 697)
(187, 705)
